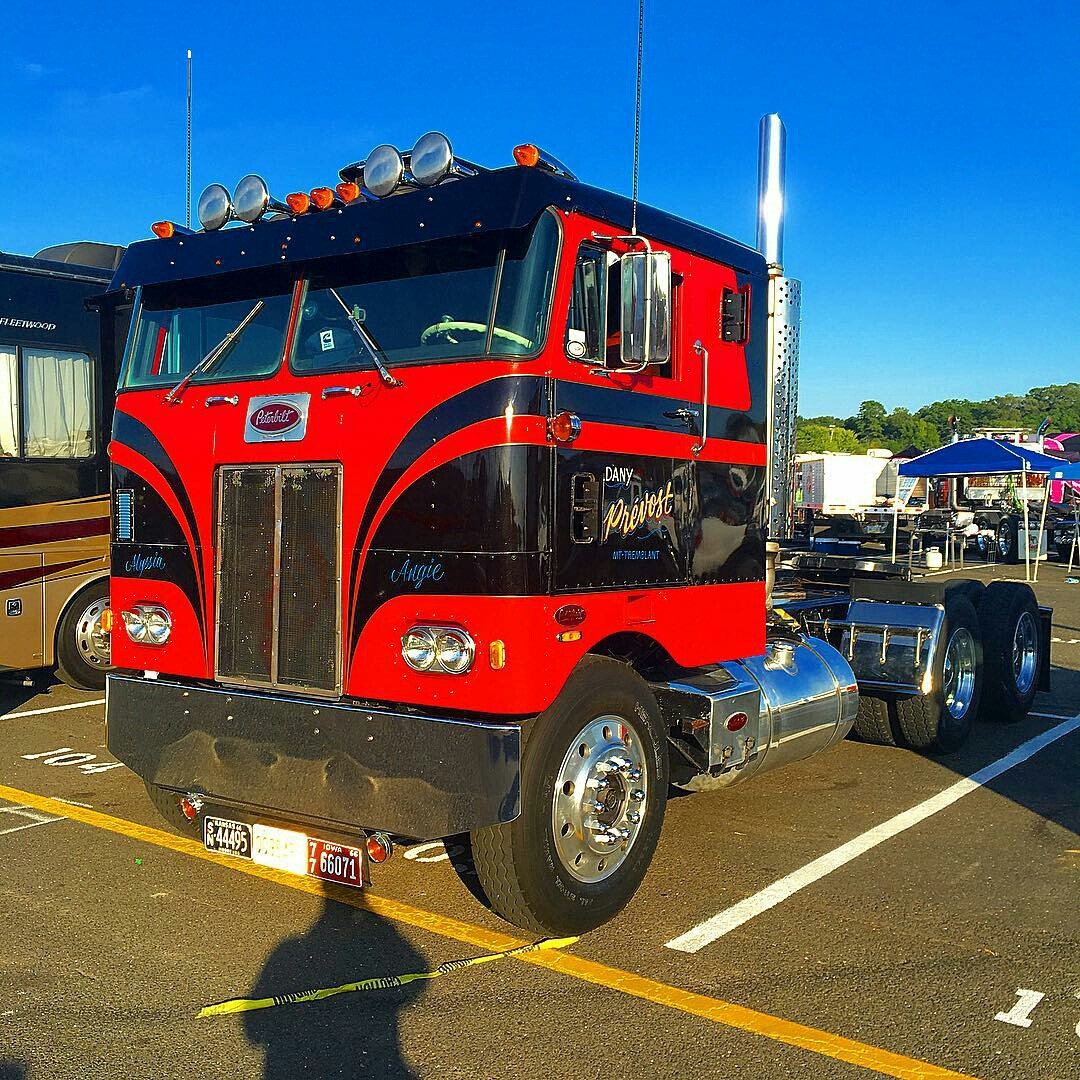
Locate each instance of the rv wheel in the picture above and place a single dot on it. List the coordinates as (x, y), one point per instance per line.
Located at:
(594, 778)
(1012, 648)
(82, 646)
(940, 721)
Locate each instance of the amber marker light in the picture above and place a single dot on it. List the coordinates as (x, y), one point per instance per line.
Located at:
(298, 202)
(497, 655)
(565, 427)
(322, 198)
(348, 193)
(527, 154)
(569, 635)
(107, 621)
(164, 229)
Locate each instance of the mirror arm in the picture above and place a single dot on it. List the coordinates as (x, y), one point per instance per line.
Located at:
(704, 354)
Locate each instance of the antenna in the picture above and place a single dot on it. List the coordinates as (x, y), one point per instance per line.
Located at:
(637, 112)
(187, 220)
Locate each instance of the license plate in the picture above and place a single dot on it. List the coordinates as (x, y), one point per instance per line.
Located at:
(227, 837)
(335, 862)
(284, 849)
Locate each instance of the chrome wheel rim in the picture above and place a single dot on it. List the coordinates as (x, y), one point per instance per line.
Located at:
(90, 638)
(1004, 541)
(1025, 653)
(600, 799)
(959, 678)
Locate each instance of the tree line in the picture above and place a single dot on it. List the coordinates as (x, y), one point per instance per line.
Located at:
(932, 425)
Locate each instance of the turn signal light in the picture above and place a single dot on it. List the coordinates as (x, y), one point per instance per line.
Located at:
(348, 193)
(527, 154)
(107, 621)
(379, 847)
(298, 202)
(164, 229)
(322, 197)
(569, 635)
(736, 721)
(497, 655)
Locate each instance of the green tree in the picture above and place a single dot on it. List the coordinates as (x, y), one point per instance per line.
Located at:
(869, 423)
(811, 438)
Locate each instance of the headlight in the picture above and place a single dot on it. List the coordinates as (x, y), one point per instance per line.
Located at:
(147, 624)
(447, 649)
(418, 649)
(454, 649)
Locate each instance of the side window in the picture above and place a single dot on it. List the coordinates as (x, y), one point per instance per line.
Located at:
(585, 324)
(58, 405)
(9, 402)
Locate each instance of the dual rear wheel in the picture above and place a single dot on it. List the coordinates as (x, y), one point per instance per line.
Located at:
(988, 666)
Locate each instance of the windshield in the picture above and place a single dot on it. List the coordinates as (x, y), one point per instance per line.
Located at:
(443, 300)
(178, 327)
(431, 301)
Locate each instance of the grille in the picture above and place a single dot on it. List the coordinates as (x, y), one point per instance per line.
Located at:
(279, 576)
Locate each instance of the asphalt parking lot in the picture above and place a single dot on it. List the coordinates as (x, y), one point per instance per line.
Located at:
(796, 926)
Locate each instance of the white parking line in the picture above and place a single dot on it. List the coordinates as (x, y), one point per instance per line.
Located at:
(35, 818)
(53, 708)
(726, 921)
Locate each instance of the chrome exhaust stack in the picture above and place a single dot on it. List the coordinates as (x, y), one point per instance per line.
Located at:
(783, 336)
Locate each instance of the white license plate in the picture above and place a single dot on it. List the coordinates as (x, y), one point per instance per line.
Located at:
(281, 849)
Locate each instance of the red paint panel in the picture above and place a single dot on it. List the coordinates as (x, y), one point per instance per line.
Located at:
(182, 654)
(537, 666)
(50, 532)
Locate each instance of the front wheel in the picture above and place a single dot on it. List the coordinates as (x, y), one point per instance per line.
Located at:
(594, 779)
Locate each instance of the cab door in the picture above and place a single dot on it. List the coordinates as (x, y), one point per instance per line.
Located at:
(623, 481)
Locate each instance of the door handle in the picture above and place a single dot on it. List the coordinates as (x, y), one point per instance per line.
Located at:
(338, 391)
(687, 416)
(704, 354)
(221, 399)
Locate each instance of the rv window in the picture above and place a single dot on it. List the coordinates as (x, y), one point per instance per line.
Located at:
(9, 401)
(58, 405)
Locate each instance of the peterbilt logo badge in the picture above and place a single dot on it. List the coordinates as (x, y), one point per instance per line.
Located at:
(277, 418)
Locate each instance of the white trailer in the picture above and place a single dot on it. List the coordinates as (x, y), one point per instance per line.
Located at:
(837, 483)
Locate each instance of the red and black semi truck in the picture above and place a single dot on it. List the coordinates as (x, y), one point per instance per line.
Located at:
(443, 505)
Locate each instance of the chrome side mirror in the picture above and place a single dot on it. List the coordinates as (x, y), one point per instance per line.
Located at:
(645, 316)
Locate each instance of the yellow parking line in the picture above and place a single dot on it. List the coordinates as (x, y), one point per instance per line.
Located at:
(720, 1012)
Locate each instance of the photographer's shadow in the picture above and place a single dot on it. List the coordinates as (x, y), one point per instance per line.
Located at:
(351, 1034)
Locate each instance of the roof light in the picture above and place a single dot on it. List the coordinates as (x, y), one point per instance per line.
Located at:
(299, 202)
(348, 193)
(164, 229)
(431, 159)
(383, 170)
(527, 154)
(251, 198)
(215, 207)
(322, 198)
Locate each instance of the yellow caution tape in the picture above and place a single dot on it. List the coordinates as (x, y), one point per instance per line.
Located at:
(386, 982)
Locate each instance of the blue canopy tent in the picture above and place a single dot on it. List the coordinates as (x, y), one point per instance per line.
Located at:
(1064, 470)
(979, 457)
(983, 457)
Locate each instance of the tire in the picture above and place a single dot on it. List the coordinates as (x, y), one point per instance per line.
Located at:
(1012, 650)
(82, 652)
(970, 589)
(526, 867)
(873, 724)
(167, 804)
(1008, 541)
(940, 722)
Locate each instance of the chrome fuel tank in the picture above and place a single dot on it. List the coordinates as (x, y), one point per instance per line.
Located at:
(749, 715)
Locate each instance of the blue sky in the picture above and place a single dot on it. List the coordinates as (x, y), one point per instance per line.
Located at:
(932, 147)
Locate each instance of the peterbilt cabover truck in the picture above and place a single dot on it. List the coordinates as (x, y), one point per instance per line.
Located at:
(443, 504)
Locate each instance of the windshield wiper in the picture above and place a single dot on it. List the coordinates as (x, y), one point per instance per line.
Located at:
(369, 344)
(173, 395)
